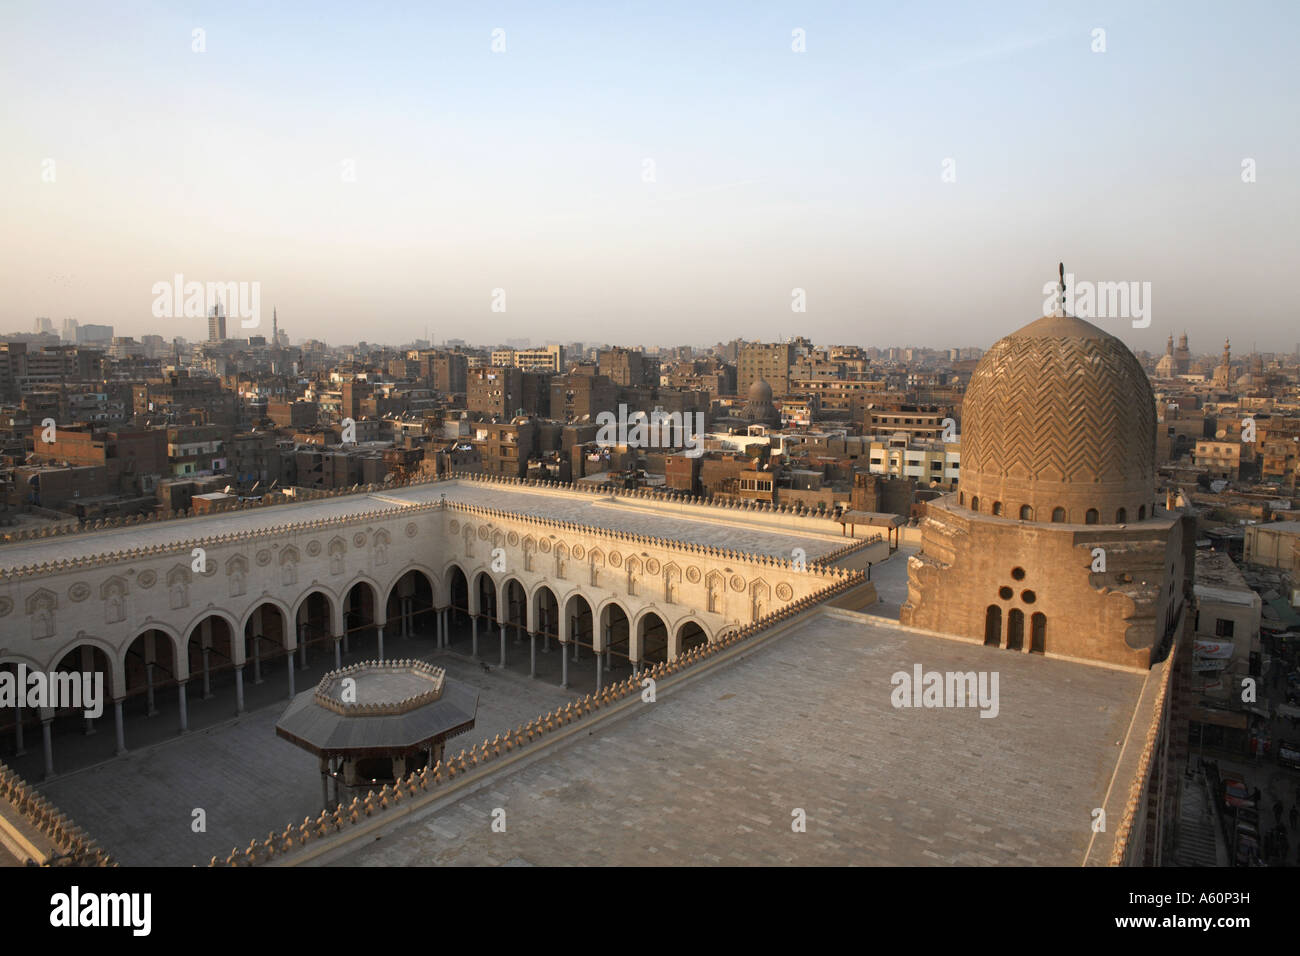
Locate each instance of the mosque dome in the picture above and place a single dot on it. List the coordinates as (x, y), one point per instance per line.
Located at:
(1059, 424)
(760, 393)
(759, 407)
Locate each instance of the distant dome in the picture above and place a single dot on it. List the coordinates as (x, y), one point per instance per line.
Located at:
(759, 407)
(1059, 424)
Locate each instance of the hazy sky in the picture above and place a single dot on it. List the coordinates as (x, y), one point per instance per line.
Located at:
(525, 170)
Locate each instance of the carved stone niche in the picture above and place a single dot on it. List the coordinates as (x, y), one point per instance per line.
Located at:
(40, 607)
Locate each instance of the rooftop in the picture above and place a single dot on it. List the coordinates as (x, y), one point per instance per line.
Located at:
(1219, 579)
(713, 772)
(728, 528)
(1282, 527)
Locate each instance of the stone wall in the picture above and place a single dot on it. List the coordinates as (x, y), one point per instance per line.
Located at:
(969, 563)
(108, 600)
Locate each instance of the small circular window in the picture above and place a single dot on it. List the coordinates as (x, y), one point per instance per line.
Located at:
(1005, 593)
(1018, 573)
(1029, 597)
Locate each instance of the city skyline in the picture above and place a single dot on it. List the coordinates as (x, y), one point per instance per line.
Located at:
(664, 176)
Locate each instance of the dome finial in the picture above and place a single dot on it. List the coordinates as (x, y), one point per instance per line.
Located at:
(1061, 270)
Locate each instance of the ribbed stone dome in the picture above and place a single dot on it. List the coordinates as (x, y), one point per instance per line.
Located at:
(760, 392)
(1059, 424)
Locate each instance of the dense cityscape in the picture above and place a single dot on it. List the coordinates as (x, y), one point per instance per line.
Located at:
(663, 438)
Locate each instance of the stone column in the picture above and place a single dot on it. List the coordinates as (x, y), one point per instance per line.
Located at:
(258, 637)
(338, 657)
(185, 715)
(473, 652)
(598, 673)
(88, 665)
(503, 645)
(150, 710)
(292, 690)
(118, 728)
(239, 689)
(302, 645)
(635, 646)
(380, 632)
(564, 668)
(205, 643)
(532, 655)
(674, 644)
(47, 743)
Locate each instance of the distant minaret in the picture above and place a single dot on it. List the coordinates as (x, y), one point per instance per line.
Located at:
(1223, 374)
(275, 328)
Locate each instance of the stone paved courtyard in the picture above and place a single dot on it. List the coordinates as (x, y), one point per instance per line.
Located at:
(247, 779)
(711, 774)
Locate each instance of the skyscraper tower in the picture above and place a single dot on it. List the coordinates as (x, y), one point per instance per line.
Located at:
(217, 324)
